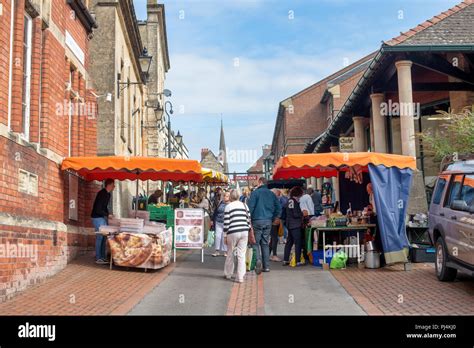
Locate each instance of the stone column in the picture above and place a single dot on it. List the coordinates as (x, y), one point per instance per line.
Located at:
(405, 98)
(417, 202)
(396, 136)
(335, 180)
(360, 140)
(319, 183)
(378, 122)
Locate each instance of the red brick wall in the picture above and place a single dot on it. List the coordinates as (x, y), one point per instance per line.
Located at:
(32, 220)
(309, 118)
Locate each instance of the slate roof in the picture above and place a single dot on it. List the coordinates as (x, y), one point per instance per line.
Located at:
(452, 27)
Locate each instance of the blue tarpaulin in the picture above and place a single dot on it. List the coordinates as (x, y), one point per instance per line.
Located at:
(391, 187)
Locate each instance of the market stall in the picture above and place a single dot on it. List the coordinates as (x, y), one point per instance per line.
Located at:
(211, 176)
(390, 177)
(137, 241)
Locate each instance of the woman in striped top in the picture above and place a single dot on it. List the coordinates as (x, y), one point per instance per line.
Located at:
(236, 232)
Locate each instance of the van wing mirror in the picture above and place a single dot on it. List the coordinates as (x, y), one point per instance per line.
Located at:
(459, 205)
(471, 209)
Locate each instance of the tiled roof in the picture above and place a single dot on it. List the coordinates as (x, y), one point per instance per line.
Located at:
(452, 27)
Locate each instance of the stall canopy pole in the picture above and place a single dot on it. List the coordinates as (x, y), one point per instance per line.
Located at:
(136, 200)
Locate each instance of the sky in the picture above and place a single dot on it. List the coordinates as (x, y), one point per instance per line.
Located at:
(235, 60)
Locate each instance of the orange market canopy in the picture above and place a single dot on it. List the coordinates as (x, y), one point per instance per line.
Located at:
(134, 168)
(214, 177)
(328, 164)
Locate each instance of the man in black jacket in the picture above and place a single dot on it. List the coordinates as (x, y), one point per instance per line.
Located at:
(294, 222)
(100, 215)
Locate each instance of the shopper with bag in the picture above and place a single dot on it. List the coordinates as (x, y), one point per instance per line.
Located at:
(294, 222)
(236, 231)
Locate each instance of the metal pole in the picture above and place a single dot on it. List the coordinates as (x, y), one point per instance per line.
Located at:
(169, 136)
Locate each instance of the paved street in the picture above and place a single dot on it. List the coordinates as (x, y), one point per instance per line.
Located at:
(191, 288)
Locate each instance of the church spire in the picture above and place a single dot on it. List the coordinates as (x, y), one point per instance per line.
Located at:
(222, 149)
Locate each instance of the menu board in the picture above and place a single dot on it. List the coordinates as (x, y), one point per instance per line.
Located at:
(189, 228)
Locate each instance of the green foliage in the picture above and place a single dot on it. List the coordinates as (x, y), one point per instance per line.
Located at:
(455, 136)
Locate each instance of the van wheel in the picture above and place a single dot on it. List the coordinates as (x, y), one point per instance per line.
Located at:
(443, 272)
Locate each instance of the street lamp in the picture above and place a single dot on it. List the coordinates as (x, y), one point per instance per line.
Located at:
(174, 153)
(168, 103)
(179, 138)
(145, 63)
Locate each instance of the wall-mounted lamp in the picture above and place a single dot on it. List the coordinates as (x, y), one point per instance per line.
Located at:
(145, 63)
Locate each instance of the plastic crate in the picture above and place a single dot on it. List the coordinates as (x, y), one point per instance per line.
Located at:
(423, 254)
(318, 258)
(160, 213)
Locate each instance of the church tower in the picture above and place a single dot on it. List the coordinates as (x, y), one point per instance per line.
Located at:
(222, 150)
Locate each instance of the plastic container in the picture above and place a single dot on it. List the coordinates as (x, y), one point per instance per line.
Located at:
(424, 253)
(318, 258)
(372, 259)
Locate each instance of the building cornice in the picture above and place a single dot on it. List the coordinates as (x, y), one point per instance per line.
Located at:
(83, 14)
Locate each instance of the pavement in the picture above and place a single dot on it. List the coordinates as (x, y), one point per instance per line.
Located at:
(193, 288)
(189, 287)
(393, 291)
(200, 288)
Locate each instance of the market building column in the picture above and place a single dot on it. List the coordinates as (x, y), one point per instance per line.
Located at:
(417, 202)
(378, 123)
(359, 134)
(405, 98)
(335, 180)
(319, 183)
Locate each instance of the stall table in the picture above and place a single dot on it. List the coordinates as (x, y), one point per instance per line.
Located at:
(339, 229)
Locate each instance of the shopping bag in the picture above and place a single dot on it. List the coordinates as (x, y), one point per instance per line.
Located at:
(210, 239)
(280, 230)
(293, 259)
(248, 258)
(339, 260)
(251, 237)
(254, 260)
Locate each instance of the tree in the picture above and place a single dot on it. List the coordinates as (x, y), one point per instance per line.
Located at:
(453, 139)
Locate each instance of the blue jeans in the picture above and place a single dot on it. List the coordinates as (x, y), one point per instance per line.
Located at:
(100, 240)
(262, 230)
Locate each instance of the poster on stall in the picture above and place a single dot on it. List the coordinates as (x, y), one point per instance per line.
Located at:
(189, 228)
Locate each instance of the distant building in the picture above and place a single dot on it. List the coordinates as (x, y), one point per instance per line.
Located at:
(263, 165)
(211, 161)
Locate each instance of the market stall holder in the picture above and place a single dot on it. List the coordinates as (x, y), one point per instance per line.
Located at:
(390, 176)
(132, 242)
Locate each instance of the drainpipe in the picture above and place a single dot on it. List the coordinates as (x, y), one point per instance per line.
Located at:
(10, 77)
(40, 99)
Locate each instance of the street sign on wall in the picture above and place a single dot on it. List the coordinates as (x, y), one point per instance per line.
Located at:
(346, 144)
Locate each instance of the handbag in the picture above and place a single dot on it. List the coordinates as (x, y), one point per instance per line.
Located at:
(251, 239)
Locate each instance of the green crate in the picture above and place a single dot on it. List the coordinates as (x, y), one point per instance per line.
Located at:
(160, 213)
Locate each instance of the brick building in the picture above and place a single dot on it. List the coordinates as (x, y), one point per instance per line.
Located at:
(47, 112)
(307, 113)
